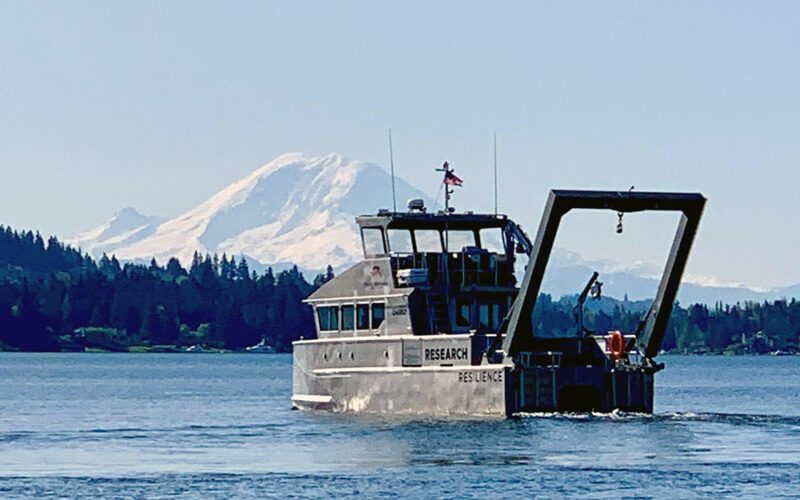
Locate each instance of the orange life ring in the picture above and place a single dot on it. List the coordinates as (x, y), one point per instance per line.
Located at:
(616, 344)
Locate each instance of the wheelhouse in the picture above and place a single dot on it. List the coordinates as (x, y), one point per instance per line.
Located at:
(425, 273)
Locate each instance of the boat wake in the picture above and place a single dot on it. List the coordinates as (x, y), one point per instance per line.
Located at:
(709, 417)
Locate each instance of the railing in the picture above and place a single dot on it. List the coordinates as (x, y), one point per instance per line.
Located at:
(604, 342)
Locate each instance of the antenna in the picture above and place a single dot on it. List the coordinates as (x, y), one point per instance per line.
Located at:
(495, 172)
(391, 166)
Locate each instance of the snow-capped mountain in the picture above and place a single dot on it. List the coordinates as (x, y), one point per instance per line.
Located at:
(296, 208)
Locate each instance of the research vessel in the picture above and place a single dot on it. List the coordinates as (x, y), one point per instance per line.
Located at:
(434, 322)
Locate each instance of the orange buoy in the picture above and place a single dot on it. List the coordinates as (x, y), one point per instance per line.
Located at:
(616, 344)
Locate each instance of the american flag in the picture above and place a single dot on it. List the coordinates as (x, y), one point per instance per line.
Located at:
(450, 178)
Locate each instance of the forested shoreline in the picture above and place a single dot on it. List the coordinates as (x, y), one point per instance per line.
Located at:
(54, 298)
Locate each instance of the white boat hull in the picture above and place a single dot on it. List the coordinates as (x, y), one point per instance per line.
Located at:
(461, 390)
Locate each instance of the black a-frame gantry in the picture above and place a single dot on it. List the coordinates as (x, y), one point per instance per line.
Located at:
(520, 335)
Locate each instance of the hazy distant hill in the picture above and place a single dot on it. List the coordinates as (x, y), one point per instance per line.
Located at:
(566, 280)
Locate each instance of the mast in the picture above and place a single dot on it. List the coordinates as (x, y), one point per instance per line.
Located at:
(449, 180)
(446, 255)
(447, 171)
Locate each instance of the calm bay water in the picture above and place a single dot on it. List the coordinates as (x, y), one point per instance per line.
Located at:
(219, 426)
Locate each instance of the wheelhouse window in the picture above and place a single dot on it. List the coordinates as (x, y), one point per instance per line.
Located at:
(428, 240)
(373, 241)
(457, 240)
(362, 317)
(400, 241)
(328, 318)
(492, 239)
(348, 318)
(378, 315)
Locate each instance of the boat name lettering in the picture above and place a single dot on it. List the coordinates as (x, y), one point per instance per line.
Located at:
(467, 377)
(399, 311)
(446, 353)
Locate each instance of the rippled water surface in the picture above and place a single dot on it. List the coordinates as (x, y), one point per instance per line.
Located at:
(219, 426)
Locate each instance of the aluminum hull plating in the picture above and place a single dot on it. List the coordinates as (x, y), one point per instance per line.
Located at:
(410, 391)
(453, 388)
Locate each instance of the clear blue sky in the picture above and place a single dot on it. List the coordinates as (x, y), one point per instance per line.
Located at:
(157, 105)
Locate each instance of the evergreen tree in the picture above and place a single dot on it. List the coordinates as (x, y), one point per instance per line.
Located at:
(225, 268)
(329, 273)
(174, 268)
(243, 270)
(194, 269)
